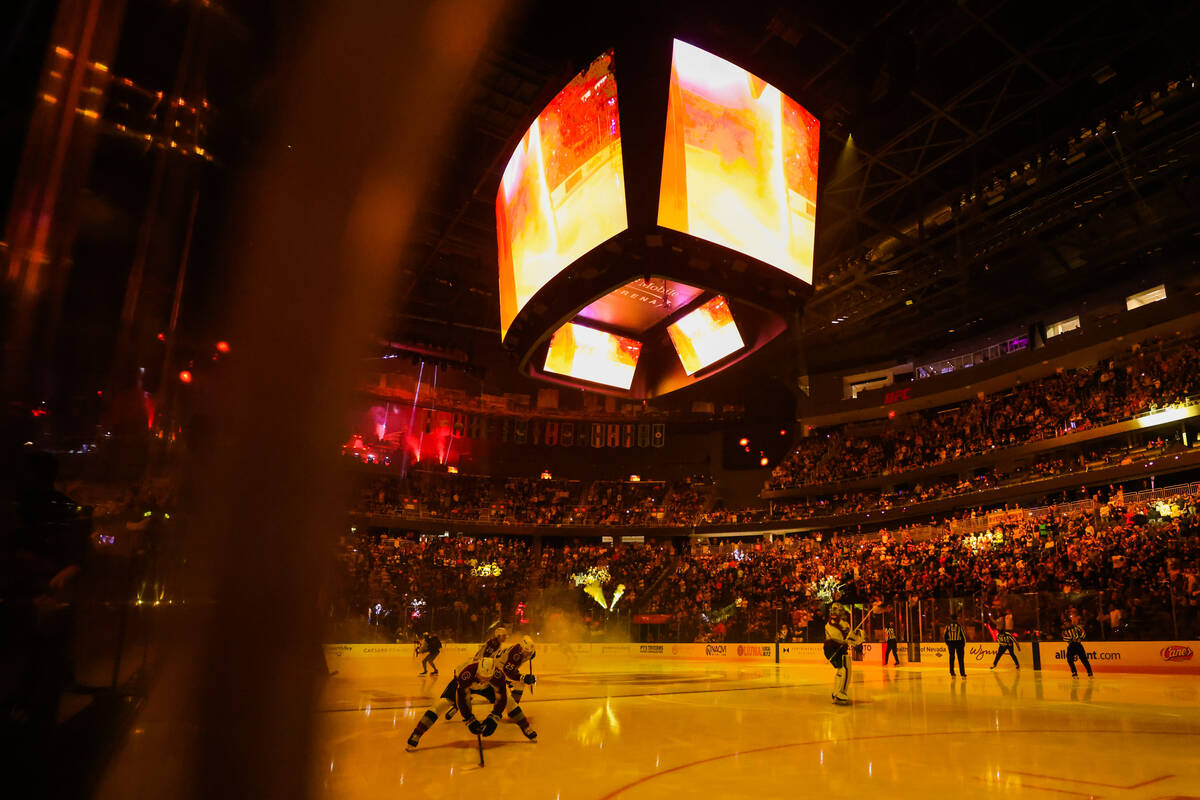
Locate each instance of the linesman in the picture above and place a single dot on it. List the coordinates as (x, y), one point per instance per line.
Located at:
(890, 635)
(1006, 642)
(1074, 636)
(956, 643)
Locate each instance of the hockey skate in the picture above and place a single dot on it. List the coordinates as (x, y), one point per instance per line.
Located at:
(413, 741)
(530, 734)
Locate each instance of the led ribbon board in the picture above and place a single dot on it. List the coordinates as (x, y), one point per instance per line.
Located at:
(739, 163)
(563, 190)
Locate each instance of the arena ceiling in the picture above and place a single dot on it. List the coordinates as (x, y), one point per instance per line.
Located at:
(944, 100)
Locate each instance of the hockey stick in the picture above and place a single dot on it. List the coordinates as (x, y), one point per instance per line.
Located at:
(531, 658)
(479, 741)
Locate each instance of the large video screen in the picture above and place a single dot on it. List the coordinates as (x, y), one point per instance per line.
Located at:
(592, 355)
(563, 190)
(739, 163)
(705, 336)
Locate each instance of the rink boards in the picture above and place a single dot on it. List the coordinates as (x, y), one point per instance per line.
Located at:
(1146, 657)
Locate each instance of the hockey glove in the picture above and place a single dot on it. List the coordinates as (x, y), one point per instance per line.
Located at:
(475, 726)
(488, 727)
(530, 679)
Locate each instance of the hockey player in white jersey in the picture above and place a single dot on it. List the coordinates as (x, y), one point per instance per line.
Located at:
(839, 639)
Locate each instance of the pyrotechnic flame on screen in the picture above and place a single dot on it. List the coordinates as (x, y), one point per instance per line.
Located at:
(739, 163)
(592, 355)
(563, 190)
(705, 335)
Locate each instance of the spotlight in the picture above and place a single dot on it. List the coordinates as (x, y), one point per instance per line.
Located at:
(762, 462)
(743, 441)
(185, 376)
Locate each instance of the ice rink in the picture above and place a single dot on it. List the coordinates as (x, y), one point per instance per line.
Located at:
(614, 726)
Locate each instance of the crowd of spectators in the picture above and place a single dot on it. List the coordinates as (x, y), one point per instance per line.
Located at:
(1119, 567)
(533, 501)
(1149, 377)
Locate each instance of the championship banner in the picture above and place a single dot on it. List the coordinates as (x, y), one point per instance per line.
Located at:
(551, 437)
(566, 434)
(643, 434)
(627, 435)
(535, 431)
(597, 434)
(660, 434)
(520, 431)
(614, 434)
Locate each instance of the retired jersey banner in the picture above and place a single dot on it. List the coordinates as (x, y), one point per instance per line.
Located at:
(566, 434)
(551, 433)
(597, 434)
(660, 434)
(460, 424)
(520, 431)
(643, 434)
(627, 435)
(614, 434)
(535, 431)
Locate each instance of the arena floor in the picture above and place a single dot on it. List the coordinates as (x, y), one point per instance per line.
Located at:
(614, 727)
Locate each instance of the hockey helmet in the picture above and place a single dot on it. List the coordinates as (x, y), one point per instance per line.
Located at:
(837, 611)
(500, 632)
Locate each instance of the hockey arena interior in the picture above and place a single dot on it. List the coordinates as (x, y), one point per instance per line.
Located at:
(483, 398)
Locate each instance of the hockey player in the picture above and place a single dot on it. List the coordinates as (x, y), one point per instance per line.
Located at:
(838, 641)
(493, 645)
(431, 645)
(478, 676)
(510, 659)
(1005, 644)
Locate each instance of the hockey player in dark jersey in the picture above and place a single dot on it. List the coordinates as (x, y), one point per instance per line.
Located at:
(510, 659)
(838, 641)
(493, 645)
(485, 674)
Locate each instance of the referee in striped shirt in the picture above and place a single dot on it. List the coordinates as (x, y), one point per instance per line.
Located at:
(1074, 635)
(956, 643)
(1005, 643)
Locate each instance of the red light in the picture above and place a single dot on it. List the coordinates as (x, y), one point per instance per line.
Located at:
(743, 441)
(185, 376)
(762, 462)
(222, 346)
(162, 337)
(99, 392)
(891, 414)
(783, 431)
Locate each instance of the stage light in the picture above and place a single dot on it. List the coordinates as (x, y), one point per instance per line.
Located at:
(162, 337)
(743, 441)
(635, 478)
(222, 347)
(762, 462)
(185, 376)
(783, 431)
(546, 476)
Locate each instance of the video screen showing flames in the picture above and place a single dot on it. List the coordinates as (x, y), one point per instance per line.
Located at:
(705, 336)
(563, 190)
(592, 355)
(739, 163)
